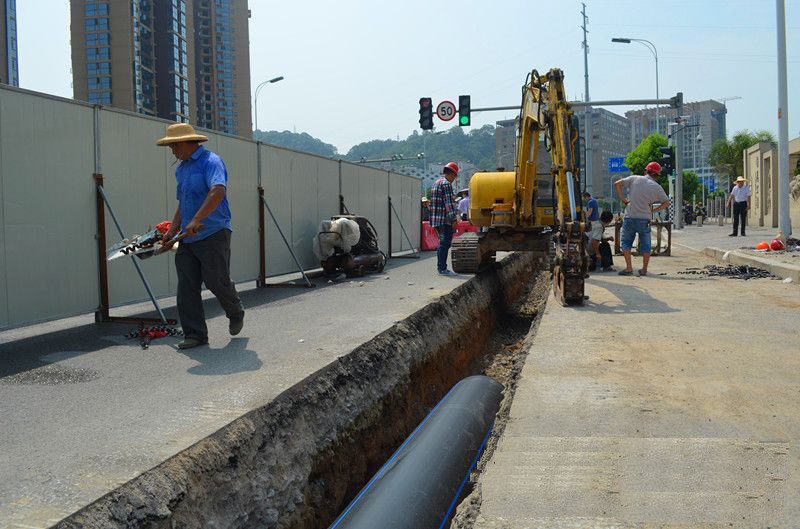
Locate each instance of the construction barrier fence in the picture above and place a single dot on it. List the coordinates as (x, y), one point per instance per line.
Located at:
(50, 149)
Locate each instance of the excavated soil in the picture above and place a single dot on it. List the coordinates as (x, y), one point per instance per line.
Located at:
(296, 462)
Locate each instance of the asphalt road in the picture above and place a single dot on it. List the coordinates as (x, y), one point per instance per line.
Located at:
(85, 409)
(666, 401)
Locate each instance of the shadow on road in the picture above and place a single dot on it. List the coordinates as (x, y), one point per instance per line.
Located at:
(32, 352)
(233, 358)
(632, 299)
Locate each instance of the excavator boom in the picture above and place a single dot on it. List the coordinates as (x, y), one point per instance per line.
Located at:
(507, 204)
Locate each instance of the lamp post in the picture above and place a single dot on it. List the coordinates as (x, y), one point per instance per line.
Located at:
(652, 47)
(258, 89)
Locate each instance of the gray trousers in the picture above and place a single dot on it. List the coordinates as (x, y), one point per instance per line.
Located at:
(206, 261)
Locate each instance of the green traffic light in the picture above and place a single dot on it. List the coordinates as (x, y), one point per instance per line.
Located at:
(464, 120)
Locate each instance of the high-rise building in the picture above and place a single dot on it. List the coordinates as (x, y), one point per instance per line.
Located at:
(147, 56)
(610, 139)
(222, 63)
(709, 116)
(9, 62)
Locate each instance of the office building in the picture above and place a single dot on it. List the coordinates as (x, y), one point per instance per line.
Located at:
(610, 139)
(148, 57)
(9, 62)
(505, 138)
(222, 63)
(706, 118)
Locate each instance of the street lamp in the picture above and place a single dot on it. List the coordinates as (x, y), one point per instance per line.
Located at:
(258, 89)
(652, 47)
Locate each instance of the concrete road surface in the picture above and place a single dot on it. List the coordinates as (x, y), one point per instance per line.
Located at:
(84, 409)
(666, 402)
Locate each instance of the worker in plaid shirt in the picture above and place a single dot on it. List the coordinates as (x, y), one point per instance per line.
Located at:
(443, 214)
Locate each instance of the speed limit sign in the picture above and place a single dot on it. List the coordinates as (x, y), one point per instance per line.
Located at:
(446, 110)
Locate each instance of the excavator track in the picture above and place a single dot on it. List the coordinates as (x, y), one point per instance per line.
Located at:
(465, 254)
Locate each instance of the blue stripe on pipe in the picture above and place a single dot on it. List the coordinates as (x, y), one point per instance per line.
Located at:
(391, 459)
(469, 471)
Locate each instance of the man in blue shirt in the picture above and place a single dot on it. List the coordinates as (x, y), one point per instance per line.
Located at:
(592, 211)
(204, 215)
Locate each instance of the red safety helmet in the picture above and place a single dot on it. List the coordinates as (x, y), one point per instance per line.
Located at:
(764, 245)
(776, 245)
(452, 166)
(653, 167)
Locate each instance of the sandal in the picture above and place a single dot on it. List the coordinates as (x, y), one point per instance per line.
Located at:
(625, 273)
(641, 273)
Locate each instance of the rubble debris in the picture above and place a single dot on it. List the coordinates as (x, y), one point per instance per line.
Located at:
(731, 272)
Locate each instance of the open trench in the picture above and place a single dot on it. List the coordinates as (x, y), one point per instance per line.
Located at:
(296, 462)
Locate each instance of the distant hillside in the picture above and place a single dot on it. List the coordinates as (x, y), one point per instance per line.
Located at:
(298, 141)
(476, 146)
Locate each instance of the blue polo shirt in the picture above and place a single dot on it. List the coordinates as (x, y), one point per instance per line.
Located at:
(196, 176)
(595, 213)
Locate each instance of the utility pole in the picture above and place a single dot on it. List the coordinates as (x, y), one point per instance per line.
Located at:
(587, 113)
(783, 123)
(679, 174)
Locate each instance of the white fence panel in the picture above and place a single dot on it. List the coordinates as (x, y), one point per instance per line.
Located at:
(240, 158)
(138, 178)
(276, 170)
(411, 212)
(49, 220)
(396, 192)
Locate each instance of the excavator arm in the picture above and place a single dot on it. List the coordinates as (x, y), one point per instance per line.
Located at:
(506, 205)
(545, 112)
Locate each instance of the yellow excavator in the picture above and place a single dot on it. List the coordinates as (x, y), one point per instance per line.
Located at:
(534, 208)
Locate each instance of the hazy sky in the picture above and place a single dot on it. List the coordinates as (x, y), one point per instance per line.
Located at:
(355, 69)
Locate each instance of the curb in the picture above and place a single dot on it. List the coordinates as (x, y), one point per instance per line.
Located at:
(778, 269)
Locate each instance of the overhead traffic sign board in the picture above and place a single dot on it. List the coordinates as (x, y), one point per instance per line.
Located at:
(617, 165)
(446, 110)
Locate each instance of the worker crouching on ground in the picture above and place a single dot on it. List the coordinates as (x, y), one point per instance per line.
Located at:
(204, 215)
(601, 250)
(643, 192)
(443, 214)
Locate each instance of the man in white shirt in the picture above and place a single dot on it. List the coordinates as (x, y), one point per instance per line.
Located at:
(463, 205)
(740, 196)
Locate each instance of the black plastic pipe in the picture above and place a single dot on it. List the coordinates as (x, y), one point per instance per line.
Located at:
(418, 488)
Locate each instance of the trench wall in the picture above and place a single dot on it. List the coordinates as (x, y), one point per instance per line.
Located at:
(49, 150)
(297, 462)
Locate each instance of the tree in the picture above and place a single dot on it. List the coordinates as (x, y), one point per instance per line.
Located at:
(726, 155)
(644, 153)
(691, 184)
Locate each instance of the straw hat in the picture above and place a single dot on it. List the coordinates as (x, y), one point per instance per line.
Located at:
(180, 132)
(741, 179)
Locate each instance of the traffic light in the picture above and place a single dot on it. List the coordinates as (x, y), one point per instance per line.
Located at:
(677, 101)
(425, 113)
(667, 160)
(463, 111)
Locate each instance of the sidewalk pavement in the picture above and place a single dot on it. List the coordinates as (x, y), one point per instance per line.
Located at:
(713, 235)
(714, 242)
(85, 410)
(639, 410)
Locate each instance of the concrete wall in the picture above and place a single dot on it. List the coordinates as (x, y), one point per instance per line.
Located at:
(48, 252)
(761, 172)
